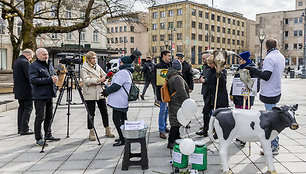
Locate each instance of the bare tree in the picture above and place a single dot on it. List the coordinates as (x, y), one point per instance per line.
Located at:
(54, 16)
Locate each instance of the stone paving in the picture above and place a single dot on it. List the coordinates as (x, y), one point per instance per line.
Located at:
(76, 154)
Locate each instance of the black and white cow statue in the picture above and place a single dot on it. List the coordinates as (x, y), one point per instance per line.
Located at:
(251, 126)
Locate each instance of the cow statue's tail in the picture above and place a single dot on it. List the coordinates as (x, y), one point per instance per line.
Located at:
(211, 128)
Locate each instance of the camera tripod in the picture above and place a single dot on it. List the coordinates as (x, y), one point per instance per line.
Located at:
(68, 84)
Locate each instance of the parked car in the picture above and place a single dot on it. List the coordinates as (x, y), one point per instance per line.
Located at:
(298, 73)
(234, 67)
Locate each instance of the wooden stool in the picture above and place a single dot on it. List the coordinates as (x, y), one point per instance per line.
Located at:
(128, 155)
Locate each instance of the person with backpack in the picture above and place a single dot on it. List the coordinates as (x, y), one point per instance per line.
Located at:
(148, 71)
(118, 98)
(160, 71)
(180, 89)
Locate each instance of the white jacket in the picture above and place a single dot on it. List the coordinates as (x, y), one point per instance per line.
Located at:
(92, 90)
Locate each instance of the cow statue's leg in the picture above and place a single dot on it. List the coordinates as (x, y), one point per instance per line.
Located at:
(266, 146)
(223, 149)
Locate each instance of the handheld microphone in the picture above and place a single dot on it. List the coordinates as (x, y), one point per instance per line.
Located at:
(109, 75)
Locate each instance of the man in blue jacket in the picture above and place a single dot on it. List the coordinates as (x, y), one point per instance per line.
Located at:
(42, 78)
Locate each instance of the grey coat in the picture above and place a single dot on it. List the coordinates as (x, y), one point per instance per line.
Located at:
(178, 84)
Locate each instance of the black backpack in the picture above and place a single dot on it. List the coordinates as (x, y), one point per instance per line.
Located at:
(134, 91)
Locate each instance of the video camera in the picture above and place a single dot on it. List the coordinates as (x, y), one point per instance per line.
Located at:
(70, 59)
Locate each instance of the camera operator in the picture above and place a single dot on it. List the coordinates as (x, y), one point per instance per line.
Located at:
(42, 78)
(92, 76)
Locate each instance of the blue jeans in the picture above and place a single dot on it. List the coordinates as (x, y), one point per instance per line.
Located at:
(163, 114)
(274, 143)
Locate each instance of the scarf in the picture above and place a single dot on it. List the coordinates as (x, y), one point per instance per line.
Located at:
(270, 50)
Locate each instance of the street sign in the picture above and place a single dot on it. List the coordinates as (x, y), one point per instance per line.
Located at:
(173, 46)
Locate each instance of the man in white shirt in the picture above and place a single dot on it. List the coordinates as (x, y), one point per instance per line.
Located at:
(270, 85)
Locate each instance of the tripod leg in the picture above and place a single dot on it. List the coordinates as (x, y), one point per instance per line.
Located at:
(83, 100)
(60, 96)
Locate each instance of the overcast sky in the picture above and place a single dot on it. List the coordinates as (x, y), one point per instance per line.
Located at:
(249, 8)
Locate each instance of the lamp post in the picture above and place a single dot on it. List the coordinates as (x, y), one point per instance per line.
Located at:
(209, 35)
(304, 56)
(261, 37)
(171, 39)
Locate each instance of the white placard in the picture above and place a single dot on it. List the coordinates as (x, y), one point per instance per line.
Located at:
(177, 157)
(133, 125)
(196, 158)
(239, 88)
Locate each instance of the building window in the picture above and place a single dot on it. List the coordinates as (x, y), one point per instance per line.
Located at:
(300, 20)
(170, 13)
(180, 48)
(68, 14)
(161, 48)
(193, 36)
(286, 46)
(162, 26)
(294, 46)
(154, 15)
(295, 33)
(218, 29)
(229, 21)
(242, 43)
(206, 38)
(233, 42)
(200, 37)
(206, 27)
(212, 28)
(206, 15)
(170, 24)
(179, 24)
(120, 29)
(19, 27)
(125, 28)
(238, 42)
(300, 32)
(218, 18)
(69, 36)
(212, 39)
(3, 59)
(223, 40)
(242, 24)
(234, 22)
(234, 32)
(200, 14)
(223, 30)
(132, 39)
(132, 49)
(223, 19)
(212, 16)
(228, 41)
(83, 35)
(53, 11)
(116, 40)
(95, 36)
(242, 33)
(154, 37)
(154, 49)
(162, 37)
(228, 31)
(295, 20)
(193, 24)
(200, 25)
(286, 33)
(125, 39)
(154, 26)
(132, 28)
(238, 23)
(120, 40)
(116, 29)
(193, 12)
(162, 14)
(238, 32)
(286, 21)
(180, 12)
(179, 36)
(112, 39)
(300, 3)
(218, 39)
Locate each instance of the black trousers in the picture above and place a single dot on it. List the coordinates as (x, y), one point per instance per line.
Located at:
(24, 112)
(147, 83)
(118, 119)
(174, 134)
(43, 113)
(92, 108)
(207, 110)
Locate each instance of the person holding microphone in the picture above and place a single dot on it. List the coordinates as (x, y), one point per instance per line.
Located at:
(94, 77)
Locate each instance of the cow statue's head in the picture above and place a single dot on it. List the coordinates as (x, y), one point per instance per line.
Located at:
(220, 57)
(287, 115)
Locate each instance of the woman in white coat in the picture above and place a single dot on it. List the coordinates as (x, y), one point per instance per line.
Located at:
(93, 76)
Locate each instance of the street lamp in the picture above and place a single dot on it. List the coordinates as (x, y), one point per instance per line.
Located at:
(171, 38)
(261, 37)
(166, 43)
(304, 56)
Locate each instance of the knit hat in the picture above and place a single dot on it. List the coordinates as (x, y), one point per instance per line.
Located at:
(180, 55)
(127, 59)
(176, 65)
(246, 56)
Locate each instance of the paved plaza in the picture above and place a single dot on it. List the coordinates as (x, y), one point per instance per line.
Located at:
(78, 155)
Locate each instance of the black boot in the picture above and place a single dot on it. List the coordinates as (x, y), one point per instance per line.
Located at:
(119, 143)
(202, 133)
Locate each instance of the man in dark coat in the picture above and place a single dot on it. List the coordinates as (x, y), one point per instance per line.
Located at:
(222, 96)
(42, 78)
(148, 73)
(186, 71)
(22, 91)
(177, 85)
(203, 78)
(160, 71)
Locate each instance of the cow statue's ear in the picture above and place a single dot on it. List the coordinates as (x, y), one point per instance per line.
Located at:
(295, 107)
(277, 109)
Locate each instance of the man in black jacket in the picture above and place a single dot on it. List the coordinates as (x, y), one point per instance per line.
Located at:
(148, 73)
(22, 91)
(160, 72)
(186, 71)
(42, 78)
